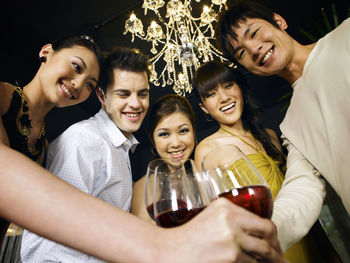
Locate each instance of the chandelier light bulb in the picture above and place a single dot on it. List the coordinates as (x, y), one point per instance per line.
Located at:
(132, 17)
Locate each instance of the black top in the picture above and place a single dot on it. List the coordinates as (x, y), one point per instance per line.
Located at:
(11, 119)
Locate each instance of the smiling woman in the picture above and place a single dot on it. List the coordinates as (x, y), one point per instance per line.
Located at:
(224, 95)
(69, 71)
(172, 134)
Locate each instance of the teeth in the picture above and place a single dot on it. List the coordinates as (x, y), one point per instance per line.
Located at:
(268, 54)
(228, 106)
(67, 92)
(178, 152)
(132, 115)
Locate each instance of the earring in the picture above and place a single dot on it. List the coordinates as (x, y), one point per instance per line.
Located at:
(42, 59)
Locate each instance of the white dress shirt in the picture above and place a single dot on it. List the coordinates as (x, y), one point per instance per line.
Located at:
(92, 155)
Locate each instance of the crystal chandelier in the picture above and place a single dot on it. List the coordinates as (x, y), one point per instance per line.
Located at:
(180, 39)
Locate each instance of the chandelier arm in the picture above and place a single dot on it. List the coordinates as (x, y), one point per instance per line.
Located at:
(161, 41)
(176, 37)
(157, 56)
(168, 35)
(216, 51)
(161, 74)
(206, 30)
(160, 17)
(141, 37)
(195, 18)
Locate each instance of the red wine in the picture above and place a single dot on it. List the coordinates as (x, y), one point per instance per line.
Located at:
(163, 205)
(256, 199)
(170, 218)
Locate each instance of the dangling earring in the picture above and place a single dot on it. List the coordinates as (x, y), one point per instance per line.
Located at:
(208, 117)
(42, 59)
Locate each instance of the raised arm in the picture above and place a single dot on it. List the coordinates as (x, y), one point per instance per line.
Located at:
(35, 199)
(300, 199)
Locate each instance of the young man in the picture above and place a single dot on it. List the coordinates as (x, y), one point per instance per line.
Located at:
(92, 155)
(316, 128)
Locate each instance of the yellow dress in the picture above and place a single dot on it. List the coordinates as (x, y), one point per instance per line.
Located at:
(304, 251)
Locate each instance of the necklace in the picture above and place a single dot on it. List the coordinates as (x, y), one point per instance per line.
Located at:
(24, 126)
(236, 135)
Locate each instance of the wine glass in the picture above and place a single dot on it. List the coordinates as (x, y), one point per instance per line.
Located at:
(175, 192)
(233, 176)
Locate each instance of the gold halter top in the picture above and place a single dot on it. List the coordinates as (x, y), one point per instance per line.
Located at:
(268, 167)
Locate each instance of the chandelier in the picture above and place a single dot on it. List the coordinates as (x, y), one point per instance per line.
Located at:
(181, 40)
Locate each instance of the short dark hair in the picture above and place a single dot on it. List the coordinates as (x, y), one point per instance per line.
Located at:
(83, 41)
(238, 11)
(124, 58)
(165, 106)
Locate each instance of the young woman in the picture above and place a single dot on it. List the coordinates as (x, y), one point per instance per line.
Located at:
(225, 96)
(172, 135)
(68, 73)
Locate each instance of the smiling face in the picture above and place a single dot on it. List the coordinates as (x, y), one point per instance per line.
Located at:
(224, 103)
(174, 137)
(69, 75)
(262, 48)
(126, 99)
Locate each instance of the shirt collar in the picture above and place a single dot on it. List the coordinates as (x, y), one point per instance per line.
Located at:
(116, 136)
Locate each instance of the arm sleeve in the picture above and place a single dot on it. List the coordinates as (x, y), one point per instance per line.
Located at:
(73, 158)
(299, 202)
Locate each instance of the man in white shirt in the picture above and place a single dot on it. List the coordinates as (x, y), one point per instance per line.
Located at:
(93, 154)
(316, 128)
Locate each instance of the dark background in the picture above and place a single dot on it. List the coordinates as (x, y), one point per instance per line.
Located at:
(26, 26)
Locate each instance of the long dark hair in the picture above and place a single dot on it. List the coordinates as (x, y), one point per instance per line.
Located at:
(165, 106)
(207, 78)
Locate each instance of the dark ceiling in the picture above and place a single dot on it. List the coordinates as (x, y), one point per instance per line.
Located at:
(27, 25)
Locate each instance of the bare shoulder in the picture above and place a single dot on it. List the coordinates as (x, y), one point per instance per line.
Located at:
(274, 138)
(205, 146)
(6, 92)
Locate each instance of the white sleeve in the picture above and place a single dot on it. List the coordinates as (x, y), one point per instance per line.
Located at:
(299, 202)
(72, 157)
